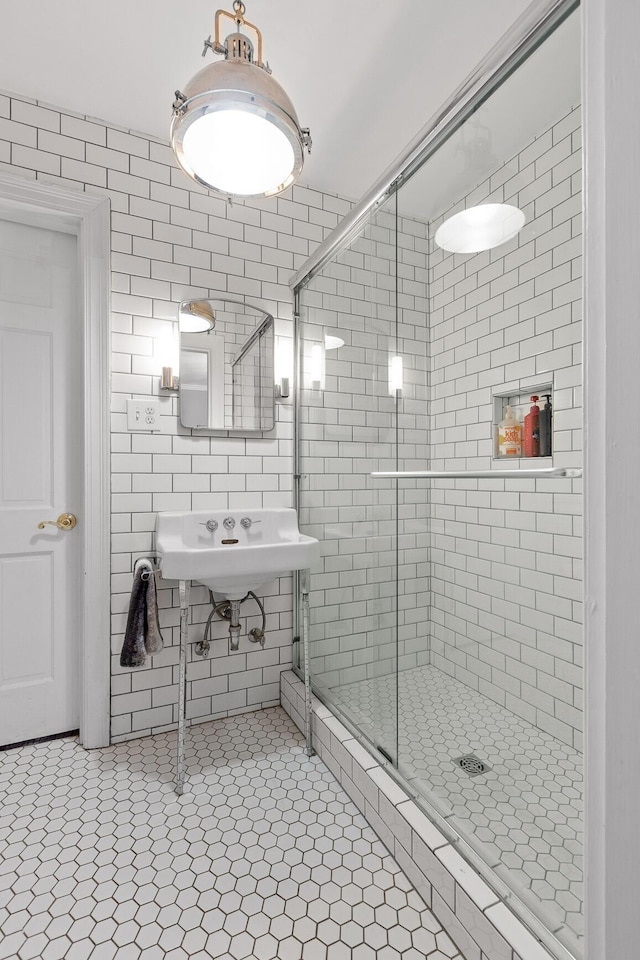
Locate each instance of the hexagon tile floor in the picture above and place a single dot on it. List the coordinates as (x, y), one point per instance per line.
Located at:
(265, 856)
(524, 815)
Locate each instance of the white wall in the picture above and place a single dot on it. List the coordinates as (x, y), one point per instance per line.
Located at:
(612, 505)
(171, 240)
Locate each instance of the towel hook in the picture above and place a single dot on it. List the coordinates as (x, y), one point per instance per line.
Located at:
(149, 563)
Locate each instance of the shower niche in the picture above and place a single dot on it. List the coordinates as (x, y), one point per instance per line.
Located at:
(519, 398)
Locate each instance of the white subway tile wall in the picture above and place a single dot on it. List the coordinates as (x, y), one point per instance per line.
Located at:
(489, 572)
(171, 241)
(506, 556)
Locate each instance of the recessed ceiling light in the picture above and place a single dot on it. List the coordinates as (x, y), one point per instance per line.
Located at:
(480, 228)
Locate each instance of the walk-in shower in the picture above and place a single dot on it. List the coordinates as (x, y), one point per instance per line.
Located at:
(445, 620)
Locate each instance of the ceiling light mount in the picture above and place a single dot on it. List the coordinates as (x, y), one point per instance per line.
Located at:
(236, 46)
(234, 129)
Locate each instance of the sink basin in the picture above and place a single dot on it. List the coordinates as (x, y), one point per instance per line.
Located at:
(270, 547)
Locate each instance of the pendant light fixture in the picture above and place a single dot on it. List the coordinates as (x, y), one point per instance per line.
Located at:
(234, 129)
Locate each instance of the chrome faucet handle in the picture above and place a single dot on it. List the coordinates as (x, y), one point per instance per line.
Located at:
(228, 523)
(247, 522)
(211, 525)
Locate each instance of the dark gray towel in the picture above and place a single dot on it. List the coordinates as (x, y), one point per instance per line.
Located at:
(142, 634)
(152, 638)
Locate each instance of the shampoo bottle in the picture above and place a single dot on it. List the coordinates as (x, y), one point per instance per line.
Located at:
(545, 427)
(509, 436)
(532, 430)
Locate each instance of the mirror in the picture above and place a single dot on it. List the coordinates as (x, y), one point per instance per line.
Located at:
(226, 366)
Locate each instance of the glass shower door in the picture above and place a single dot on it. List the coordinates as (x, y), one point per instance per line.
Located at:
(417, 346)
(348, 428)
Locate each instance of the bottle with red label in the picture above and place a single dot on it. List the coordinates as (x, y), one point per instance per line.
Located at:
(531, 432)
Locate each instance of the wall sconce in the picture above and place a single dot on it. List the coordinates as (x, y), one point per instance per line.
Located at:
(283, 367)
(168, 353)
(282, 388)
(167, 380)
(395, 376)
(316, 367)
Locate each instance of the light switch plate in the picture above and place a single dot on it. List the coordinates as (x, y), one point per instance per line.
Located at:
(143, 415)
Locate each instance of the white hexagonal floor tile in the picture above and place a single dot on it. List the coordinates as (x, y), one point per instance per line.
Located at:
(524, 813)
(264, 857)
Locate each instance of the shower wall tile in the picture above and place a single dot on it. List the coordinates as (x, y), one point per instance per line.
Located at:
(489, 575)
(171, 240)
(506, 578)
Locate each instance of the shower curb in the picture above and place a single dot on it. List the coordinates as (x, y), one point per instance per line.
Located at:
(480, 923)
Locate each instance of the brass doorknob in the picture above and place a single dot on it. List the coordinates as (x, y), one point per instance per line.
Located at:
(66, 521)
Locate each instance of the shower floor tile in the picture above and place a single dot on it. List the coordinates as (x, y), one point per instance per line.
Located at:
(264, 857)
(524, 815)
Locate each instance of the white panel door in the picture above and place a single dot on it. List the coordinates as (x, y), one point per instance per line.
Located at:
(41, 444)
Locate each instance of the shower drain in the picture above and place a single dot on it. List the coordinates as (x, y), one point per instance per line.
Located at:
(472, 765)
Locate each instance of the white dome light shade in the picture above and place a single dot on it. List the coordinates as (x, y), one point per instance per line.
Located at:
(239, 152)
(480, 228)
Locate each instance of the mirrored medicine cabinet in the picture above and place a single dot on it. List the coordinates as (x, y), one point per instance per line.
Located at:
(226, 367)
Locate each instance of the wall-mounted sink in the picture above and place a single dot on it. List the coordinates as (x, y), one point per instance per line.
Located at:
(232, 551)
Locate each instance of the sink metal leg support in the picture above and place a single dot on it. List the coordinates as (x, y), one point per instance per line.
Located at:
(185, 589)
(308, 716)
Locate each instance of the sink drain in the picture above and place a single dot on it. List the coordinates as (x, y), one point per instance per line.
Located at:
(472, 765)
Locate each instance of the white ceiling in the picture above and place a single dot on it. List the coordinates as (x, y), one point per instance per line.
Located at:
(365, 76)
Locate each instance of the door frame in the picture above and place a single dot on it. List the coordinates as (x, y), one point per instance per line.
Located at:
(88, 217)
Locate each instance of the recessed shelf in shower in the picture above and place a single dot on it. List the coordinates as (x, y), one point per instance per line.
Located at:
(518, 397)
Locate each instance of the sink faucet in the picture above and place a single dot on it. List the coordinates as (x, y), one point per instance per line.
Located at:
(247, 522)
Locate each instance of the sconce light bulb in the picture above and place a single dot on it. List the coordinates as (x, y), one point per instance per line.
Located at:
(395, 375)
(316, 366)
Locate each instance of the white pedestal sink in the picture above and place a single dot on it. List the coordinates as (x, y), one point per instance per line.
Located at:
(232, 551)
